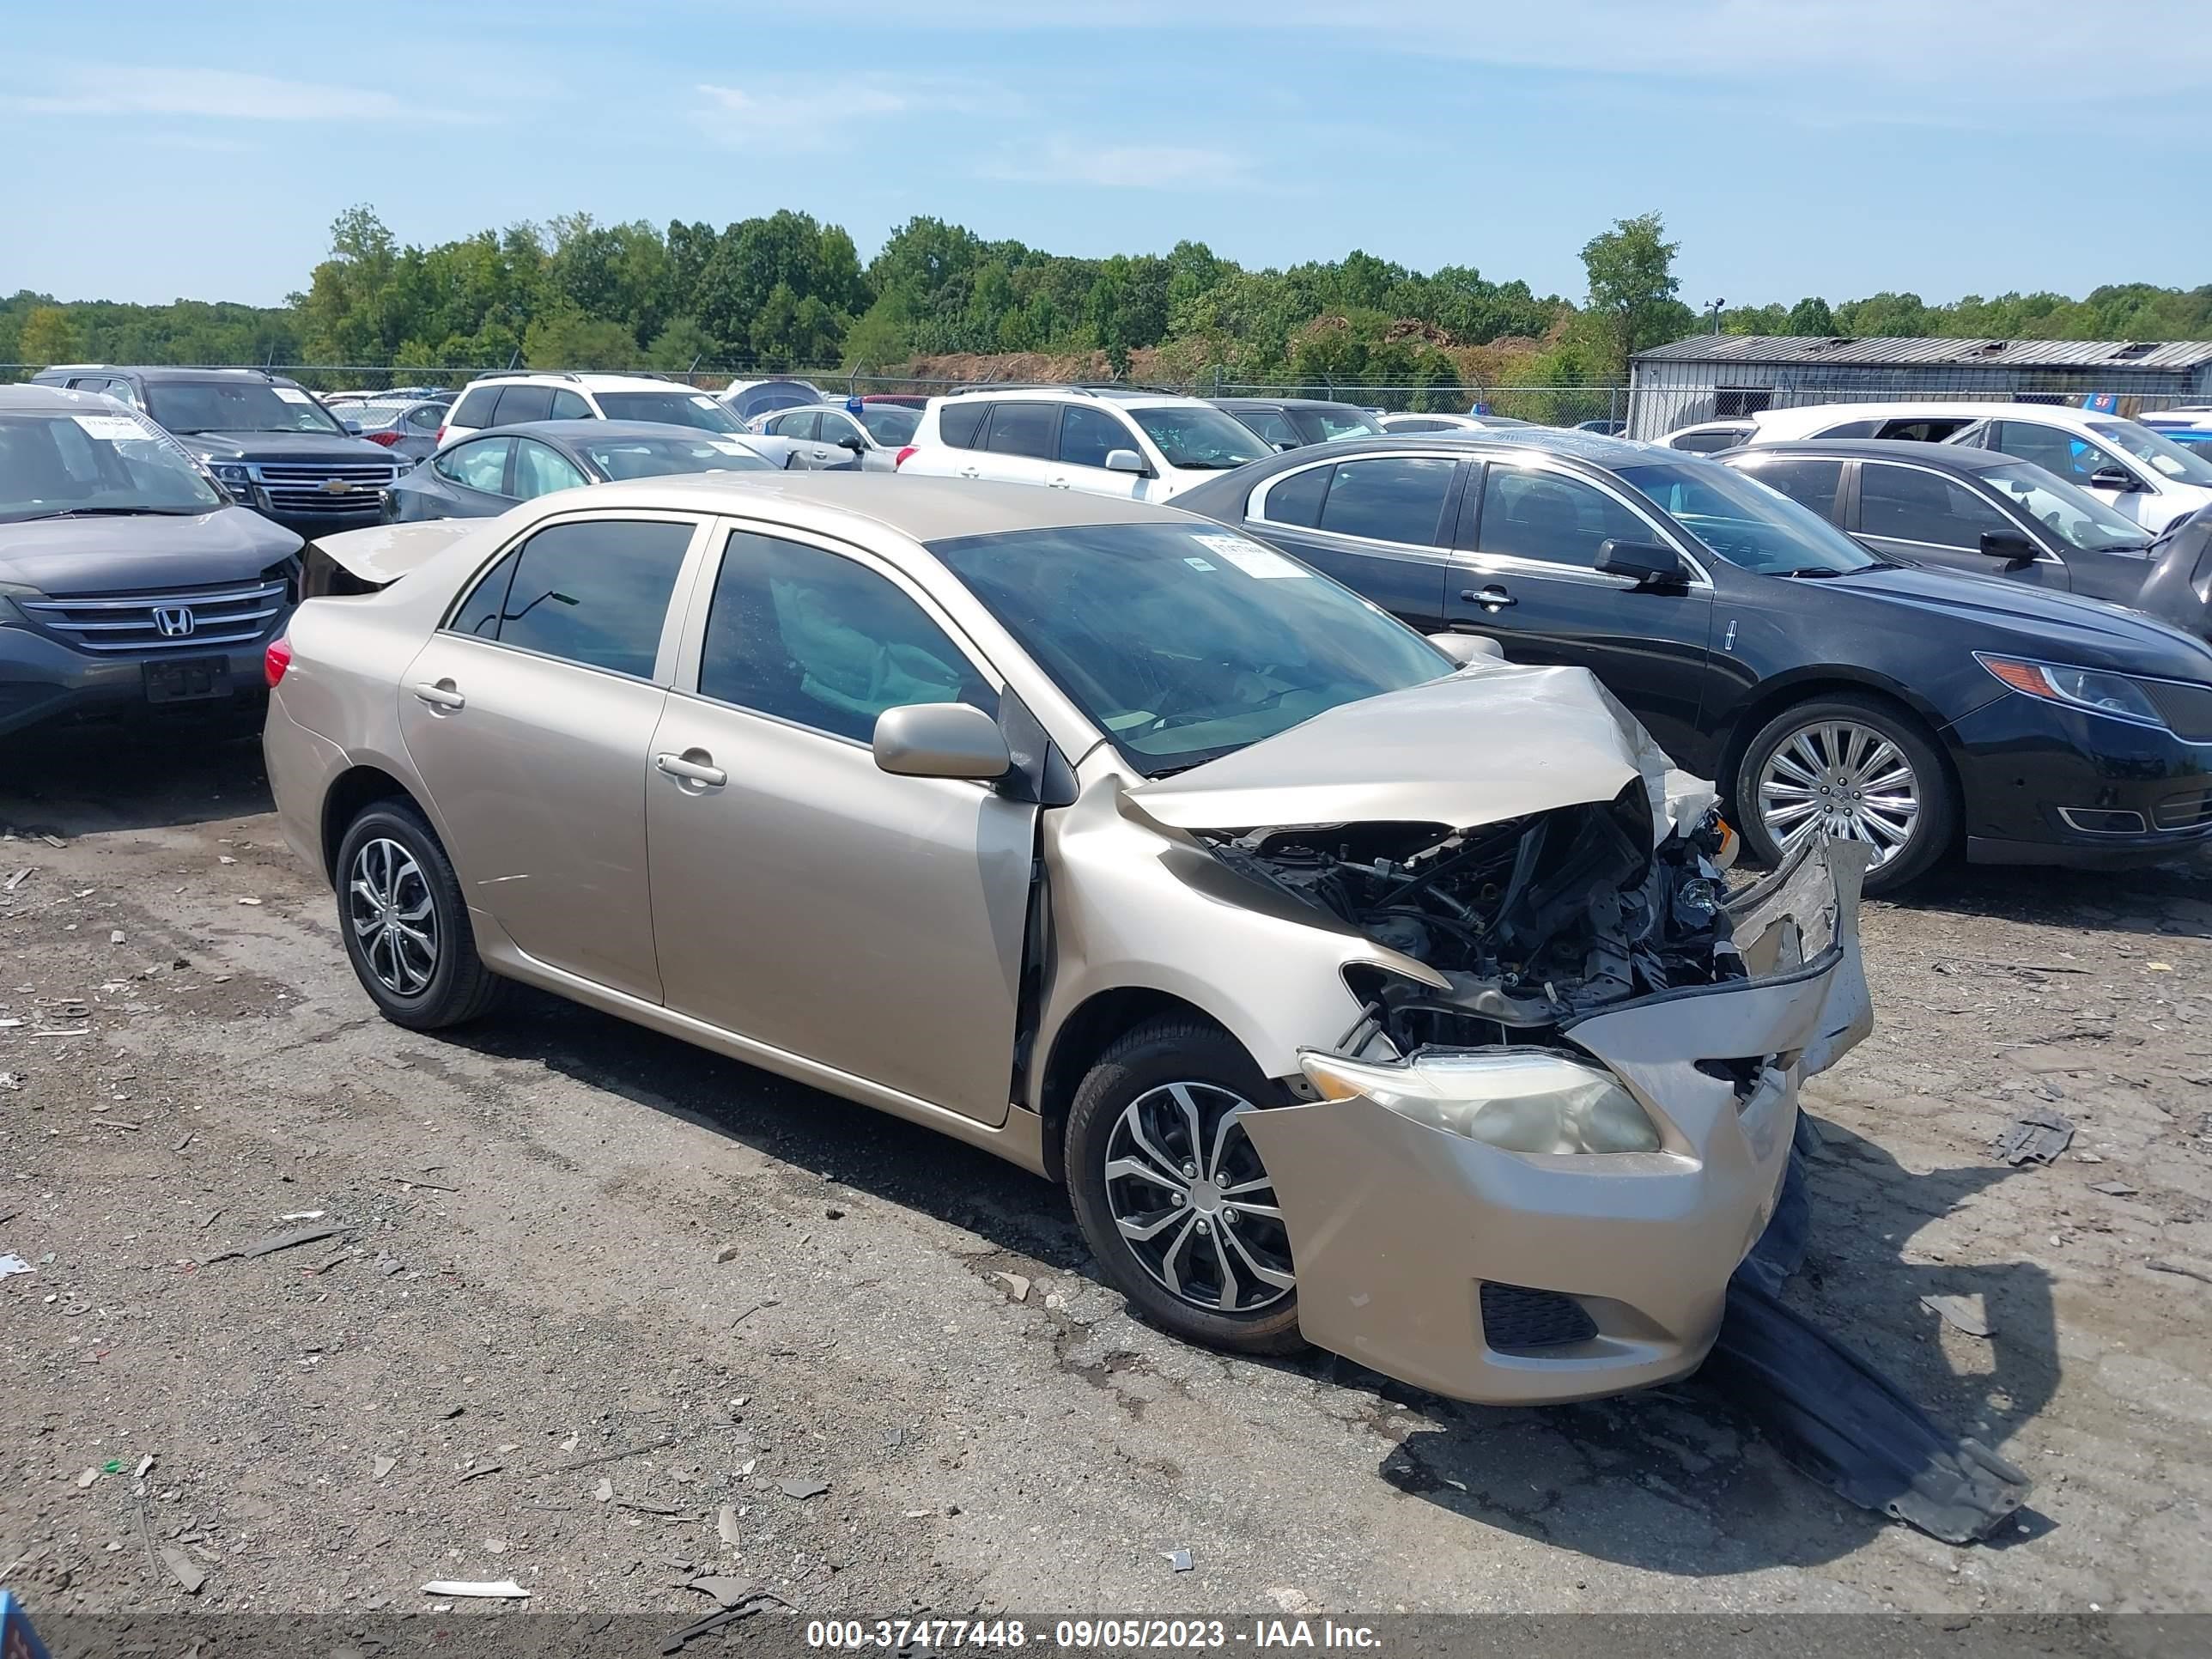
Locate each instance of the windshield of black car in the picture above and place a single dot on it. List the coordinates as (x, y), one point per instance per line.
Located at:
(236, 406)
(1182, 644)
(655, 457)
(675, 407)
(1330, 422)
(890, 424)
(52, 464)
(1200, 437)
(2077, 518)
(1744, 521)
(2156, 450)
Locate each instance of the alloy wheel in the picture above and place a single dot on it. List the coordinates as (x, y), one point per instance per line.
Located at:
(1847, 780)
(1187, 1191)
(388, 905)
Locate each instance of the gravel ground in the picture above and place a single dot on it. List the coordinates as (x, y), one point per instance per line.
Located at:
(601, 1307)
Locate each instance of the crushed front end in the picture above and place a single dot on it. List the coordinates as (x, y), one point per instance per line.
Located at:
(1527, 1172)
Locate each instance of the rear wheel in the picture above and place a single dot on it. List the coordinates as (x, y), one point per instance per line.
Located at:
(1171, 1194)
(405, 925)
(1855, 769)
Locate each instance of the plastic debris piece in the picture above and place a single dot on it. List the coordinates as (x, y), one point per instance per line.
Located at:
(145, 1463)
(1179, 1559)
(2113, 1188)
(803, 1487)
(1963, 1313)
(726, 1592)
(1841, 1422)
(86, 1478)
(189, 1577)
(726, 1524)
(304, 1215)
(251, 900)
(2036, 1136)
(113, 1466)
(497, 1590)
(605, 1491)
(12, 1265)
(383, 1467)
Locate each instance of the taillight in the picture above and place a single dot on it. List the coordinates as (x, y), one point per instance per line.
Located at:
(275, 660)
(441, 438)
(899, 459)
(388, 439)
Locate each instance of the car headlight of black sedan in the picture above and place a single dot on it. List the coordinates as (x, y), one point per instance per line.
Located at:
(2099, 691)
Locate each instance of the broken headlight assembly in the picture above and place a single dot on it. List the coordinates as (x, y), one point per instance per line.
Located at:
(1522, 1101)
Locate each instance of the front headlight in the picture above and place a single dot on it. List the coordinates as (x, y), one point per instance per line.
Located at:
(10, 591)
(2092, 688)
(1518, 1102)
(231, 477)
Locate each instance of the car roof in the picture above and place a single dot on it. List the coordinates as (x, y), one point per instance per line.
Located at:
(568, 431)
(159, 372)
(1125, 396)
(1234, 403)
(1922, 409)
(56, 399)
(1953, 458)
(921, 510)
(587, 379)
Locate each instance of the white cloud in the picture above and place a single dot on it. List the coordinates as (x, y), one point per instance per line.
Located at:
(216, 95)
(793, 115)
(1120, 167)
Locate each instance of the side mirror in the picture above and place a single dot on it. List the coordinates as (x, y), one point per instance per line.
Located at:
(353, 428)
(2010, 545)
(941, 740)
(2114, 478)
(853, 442)
(1649, 564)
(1465, 648)
(1124, 460)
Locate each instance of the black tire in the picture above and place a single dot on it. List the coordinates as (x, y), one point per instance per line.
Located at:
(1156, 1054)
(1937, 824)
(457, 987)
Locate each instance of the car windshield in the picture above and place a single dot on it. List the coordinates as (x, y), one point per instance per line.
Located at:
(890, 423)
(674, 407)
(1182, 644)
(655, 457)
(236, 406)
(53, 465)
(2076, 519)
(1326, 424)
(1746, 523)
(1199, 437)
(2156, 450)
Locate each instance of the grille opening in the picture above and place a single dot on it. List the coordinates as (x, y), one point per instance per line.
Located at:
(1517, 1319)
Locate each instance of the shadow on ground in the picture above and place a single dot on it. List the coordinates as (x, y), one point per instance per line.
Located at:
(86, 779)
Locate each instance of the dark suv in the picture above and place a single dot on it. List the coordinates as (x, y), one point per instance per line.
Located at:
(265, 439)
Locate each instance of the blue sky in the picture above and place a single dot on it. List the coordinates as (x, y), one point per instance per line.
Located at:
(1835, 146)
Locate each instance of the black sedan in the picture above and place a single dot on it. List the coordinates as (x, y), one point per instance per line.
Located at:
(1976, 510)
(481, 477)
(1825, 686)
(1293, 422)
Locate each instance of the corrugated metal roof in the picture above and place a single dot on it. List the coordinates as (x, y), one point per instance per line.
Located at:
(1889, 352)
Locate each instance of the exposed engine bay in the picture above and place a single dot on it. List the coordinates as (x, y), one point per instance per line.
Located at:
(1531, 922)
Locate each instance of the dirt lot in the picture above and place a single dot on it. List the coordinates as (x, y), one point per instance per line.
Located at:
(592, 1286)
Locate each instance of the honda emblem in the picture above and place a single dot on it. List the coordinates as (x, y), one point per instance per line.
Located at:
(174, 622)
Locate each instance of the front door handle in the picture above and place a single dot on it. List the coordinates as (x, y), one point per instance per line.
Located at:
(441, 695)
(1493, 599)
(686, 770)
(971, 473)
(1060, 483)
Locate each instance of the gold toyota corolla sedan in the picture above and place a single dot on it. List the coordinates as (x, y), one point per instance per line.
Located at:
(1363, 989)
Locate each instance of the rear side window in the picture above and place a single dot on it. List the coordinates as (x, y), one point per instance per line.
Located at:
(1088, 437)
(1931, 431)
(1297, 499)
(1709, 439)
(1809, 484)
(1850, 429)
(1271, 424)
(475, 407)
(960, 425)
(569, 406)
(801, 426)
(594, 593)
(518, 403)
(1420, 426)
(1393, 500)
(481, 464)
(1906, 504)
(1032, 429)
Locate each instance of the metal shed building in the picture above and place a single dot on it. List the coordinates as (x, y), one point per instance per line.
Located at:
(1717, 376)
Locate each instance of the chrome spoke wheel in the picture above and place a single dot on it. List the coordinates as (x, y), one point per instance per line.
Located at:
(389, 907)
(1187, 1191)
(1842, 779)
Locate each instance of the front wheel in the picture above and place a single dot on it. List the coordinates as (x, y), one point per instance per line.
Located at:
(1170, 1193)
(1854, 768)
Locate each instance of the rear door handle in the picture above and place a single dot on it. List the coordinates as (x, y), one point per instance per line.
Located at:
(971, 473)
(440, 695)
(1493, 598)
(1060, 483)
(691, 771)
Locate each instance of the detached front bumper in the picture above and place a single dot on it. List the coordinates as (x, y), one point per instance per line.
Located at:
(1522, 1279)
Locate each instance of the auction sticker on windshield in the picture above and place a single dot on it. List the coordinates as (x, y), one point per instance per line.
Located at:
(111, 428)
(292, 394)
(1250, 558)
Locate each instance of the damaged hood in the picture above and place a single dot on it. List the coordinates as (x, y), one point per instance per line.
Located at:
(1492, 742)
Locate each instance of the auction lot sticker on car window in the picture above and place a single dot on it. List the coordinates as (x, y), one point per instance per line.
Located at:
(292, 394)
(112, 428)
(1250, 558)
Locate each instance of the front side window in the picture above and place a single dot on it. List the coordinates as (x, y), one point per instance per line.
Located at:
(801, 424)
(1032, 429)
(890, 424)
(187, 406)
(2075, 517)
(1812, 484)
(480, 465)
(56, 465)
(1181, 643)
(593, 592)
(655, 457)
(1397, 499)
(426, 417)
(1272, 425)
(1903, 503)
(1745, 523)
(1420, 425)
(519, 403)
(1333, 421)
(2154, 449)
(1088, 437)
(539, 470)
(569, 406)
(813, 637)
(2056, 449)
(1198, 437)
(674, 407)
(1552, 518)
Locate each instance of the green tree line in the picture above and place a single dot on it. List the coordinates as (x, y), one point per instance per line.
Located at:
(784, 291)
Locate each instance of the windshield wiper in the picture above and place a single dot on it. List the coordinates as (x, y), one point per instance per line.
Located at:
(109, 512)
(1814, 570)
